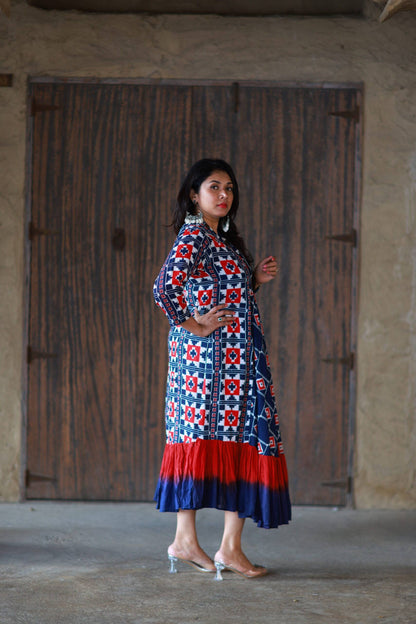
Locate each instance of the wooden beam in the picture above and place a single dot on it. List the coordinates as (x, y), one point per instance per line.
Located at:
(230, 7)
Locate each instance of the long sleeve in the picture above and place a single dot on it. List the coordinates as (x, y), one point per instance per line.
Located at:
(169, 286)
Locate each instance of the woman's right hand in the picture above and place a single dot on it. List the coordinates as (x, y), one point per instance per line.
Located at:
(204, 324)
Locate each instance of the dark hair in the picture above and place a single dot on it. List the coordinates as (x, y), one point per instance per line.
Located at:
(199, 172)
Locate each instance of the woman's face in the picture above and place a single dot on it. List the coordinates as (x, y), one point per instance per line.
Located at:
(215, 197)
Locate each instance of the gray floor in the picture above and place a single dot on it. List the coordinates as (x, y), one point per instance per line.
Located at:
(105, 562)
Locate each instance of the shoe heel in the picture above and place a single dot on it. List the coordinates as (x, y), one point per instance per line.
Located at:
(173, 561)
(219, 567)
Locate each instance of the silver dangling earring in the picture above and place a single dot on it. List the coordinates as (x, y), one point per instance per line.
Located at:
(196, 218)
(226, 224)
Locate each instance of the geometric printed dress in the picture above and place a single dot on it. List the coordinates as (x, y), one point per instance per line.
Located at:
(223, 444)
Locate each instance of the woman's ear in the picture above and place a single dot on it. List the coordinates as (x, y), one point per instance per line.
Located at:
(193, 197)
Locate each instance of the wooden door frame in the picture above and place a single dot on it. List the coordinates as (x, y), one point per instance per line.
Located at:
(357, 86)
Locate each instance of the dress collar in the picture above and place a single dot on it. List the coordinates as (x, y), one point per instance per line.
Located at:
(216, 234)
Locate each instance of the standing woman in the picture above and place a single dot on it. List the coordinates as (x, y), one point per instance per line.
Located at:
(223, 445)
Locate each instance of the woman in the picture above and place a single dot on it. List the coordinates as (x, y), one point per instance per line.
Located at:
(223, 445)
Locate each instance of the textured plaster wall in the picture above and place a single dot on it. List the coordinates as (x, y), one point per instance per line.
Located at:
(383, 56)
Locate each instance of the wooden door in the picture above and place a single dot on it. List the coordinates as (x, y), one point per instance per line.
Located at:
(295, 161)
(107, 164)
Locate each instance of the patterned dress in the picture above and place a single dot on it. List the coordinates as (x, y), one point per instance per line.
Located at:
(223, 445)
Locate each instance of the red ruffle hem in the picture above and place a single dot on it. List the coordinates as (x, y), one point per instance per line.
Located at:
(231, 476)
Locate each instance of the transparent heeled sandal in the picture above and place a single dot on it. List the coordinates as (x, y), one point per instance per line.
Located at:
(174, 560)
(220, 566)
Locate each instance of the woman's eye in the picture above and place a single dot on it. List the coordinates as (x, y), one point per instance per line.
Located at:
(215, 187)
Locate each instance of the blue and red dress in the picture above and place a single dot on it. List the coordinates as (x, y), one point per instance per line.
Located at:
(223, 444)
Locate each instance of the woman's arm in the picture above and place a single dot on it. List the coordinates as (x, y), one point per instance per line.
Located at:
(169, 286)
(204, 324)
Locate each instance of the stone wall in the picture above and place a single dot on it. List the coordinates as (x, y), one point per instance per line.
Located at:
(34, 42)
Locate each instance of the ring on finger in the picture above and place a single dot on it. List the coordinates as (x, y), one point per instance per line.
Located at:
(220, 318)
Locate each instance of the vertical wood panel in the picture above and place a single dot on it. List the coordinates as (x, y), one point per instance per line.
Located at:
(213, 119)
(43, 429)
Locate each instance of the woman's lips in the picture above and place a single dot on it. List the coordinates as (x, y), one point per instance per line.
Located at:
(222, 205)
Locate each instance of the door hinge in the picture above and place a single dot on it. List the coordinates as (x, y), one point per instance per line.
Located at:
(38, 355)
(349, 359)
(342, 484)
(350, 237)
(353, 114)
(34, 231)
(42, 108)
(32, 476)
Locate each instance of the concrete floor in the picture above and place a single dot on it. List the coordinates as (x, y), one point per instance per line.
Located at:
(94, 563)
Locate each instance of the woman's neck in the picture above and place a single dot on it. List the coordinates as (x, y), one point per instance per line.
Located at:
(213, 223)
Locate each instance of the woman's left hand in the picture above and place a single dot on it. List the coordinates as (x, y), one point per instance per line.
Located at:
(266, 270)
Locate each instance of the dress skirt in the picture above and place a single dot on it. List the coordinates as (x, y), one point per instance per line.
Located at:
(223, 443)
